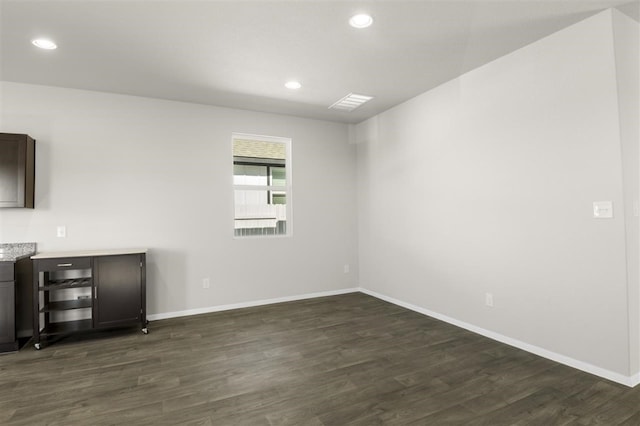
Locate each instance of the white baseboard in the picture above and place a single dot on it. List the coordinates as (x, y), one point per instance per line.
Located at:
(219, 308)
(630, 381)
(635, 380)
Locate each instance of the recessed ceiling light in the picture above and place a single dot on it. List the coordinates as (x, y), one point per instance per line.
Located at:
(361, 21)
(43, 43)
(293, 85)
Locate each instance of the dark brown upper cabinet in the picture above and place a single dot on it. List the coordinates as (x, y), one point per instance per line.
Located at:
(17, 170)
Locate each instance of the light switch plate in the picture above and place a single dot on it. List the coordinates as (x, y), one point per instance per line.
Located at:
(61, 231)
(603, 209)
(488, 299)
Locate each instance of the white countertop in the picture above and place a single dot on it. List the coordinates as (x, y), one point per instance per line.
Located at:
(88, 253)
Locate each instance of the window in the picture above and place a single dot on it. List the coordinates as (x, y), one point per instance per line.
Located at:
(262, 185)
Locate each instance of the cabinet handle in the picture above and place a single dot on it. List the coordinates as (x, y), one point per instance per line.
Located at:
(64, 264)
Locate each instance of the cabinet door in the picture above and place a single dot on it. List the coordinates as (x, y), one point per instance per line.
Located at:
(7, 312)
(24, 296)
(118, 294)
(17, 170)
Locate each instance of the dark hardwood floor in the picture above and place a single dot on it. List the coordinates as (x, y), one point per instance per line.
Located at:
(343, 360)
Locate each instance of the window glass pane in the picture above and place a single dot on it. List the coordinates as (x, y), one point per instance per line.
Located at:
(278, 197)
(278, 176)
(249, 175)
(254, 215)
(245, 197)
(259, 149)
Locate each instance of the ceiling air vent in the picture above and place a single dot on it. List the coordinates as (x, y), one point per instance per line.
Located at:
(351, 102)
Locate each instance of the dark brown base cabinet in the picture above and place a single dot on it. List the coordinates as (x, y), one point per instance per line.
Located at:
(15, 299)
(91, 290)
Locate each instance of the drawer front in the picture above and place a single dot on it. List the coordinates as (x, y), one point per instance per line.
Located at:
(6, 271)
(63, 263)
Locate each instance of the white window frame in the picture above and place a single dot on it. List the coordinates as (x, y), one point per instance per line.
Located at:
(288, 188)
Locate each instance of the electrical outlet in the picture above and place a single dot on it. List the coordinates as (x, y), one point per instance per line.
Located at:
(206, 283)
(61, 231)
(488, 299)
(346, 268)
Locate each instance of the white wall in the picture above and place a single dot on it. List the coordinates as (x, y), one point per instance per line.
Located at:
(124, 171)
(485, 185)
(627, 49)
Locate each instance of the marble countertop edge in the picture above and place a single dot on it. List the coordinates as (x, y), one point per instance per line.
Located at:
(12, 252)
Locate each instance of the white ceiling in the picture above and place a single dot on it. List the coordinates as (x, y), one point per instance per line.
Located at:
(240, 53)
